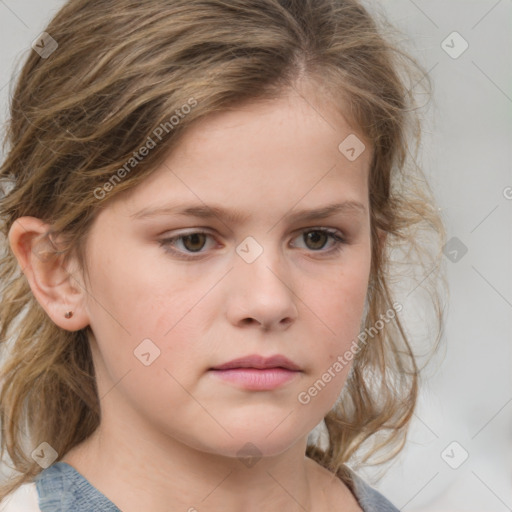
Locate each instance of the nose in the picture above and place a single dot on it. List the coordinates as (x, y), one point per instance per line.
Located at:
(261, 292)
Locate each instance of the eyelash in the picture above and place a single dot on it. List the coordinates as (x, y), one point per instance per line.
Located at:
(334, 234)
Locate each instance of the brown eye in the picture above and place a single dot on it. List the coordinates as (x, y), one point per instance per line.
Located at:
(190, 245)
(194, 242)
(184, 246)
(315, 239)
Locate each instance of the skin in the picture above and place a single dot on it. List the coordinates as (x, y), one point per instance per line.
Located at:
(171, 434)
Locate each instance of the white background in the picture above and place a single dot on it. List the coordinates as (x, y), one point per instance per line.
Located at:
(467, 153)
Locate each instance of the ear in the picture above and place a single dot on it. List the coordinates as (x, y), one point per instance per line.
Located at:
(56, 286)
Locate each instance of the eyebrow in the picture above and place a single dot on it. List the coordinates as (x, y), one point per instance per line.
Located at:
(236, 216)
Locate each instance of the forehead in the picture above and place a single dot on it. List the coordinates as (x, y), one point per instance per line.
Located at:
(272, 153)
(290, 119)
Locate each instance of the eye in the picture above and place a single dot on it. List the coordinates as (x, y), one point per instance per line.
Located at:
(194, 241)
(316, 238)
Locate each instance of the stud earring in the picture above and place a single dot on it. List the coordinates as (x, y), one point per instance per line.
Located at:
(68, 314)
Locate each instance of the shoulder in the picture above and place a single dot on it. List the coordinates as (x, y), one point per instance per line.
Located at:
(346, 490)
(369, 499)
(61, 488)
(24, 499)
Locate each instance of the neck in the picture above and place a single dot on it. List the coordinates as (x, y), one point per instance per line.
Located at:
(159, 473)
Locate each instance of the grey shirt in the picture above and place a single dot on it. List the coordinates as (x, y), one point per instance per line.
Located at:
(61, 488)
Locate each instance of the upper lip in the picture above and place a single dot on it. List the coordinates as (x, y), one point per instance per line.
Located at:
(259, 362)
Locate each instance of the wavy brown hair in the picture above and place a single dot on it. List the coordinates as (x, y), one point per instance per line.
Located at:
(123, 68)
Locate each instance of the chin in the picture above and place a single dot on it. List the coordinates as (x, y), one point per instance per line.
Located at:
(249, 449)
(254, 438)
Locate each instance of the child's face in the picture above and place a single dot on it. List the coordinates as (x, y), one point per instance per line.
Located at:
(299, 298)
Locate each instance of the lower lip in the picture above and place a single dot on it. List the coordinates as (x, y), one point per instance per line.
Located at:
(256, 379)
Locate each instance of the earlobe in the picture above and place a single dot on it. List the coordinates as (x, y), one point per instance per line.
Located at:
(58, 290)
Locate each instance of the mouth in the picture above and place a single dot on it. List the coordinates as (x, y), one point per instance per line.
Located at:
(257, 373)
(259, 363)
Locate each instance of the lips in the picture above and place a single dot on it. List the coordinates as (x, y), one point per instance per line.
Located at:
(259, 362)
(257, 373)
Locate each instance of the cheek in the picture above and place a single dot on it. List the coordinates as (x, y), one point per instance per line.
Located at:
(140, 317)
(338, 308)
(338, 305)
(134, 294)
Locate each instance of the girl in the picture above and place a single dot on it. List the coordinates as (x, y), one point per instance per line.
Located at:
(143, 372)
